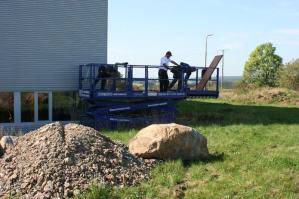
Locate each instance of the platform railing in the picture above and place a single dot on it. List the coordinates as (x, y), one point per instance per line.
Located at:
(138, 81)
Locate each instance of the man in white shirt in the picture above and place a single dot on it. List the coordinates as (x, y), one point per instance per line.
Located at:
(164, 66)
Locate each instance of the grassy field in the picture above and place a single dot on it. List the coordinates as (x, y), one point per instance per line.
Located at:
(255, 154)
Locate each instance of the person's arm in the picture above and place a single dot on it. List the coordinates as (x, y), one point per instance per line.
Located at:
(173, 62)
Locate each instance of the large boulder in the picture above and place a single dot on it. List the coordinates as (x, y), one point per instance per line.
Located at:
(169, 141)
(7, 141)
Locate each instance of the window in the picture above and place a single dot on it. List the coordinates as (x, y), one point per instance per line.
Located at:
(43, 106)
(6, 107)
(27, 107)
(65, 106)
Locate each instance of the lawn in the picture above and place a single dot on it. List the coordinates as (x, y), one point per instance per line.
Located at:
(255, 154)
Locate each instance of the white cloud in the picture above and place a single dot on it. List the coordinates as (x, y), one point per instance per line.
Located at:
(289, 42)
(287, 36)
(289, 31)
(285, 3)
(233, 45)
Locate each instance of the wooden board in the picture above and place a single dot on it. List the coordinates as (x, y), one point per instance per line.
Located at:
(209, 72)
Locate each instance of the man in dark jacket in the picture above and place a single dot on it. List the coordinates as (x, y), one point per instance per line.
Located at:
(104, 72)
(178, 74)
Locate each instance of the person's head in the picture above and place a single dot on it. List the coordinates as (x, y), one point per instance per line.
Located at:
(168, 54)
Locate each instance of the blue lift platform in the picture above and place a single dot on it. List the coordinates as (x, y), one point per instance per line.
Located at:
(122, 95)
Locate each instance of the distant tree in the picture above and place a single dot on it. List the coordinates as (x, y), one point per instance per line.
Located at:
(289, 75)
(262, 67)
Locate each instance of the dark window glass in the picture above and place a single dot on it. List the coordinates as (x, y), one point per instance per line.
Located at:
(27, 107)
(43, 106)
(65, 106)
(6, 107)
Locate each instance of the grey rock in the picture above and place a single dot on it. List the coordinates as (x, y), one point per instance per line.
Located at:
(7, 141)
(69, 161)
(8, 158)
(49, 186)
(76, 192)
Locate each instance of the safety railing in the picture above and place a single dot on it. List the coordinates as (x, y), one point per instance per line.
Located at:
(123, 80)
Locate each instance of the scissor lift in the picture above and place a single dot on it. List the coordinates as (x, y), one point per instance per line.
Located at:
(133, 97)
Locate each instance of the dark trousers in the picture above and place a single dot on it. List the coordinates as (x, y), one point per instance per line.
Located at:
(176, 76)
(163, 78)
(103, 81)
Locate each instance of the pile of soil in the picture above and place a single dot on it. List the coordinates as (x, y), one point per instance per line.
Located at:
(57, 161)
(263, 95)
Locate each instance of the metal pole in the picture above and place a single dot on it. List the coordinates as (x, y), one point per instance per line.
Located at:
(222, 75)
(222, 68)
(217, 83)
(206, 50)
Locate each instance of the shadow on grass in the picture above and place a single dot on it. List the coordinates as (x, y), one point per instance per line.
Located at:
(216, 157)
(205, 113)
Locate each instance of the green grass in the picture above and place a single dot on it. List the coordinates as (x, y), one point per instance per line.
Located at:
(255, 154)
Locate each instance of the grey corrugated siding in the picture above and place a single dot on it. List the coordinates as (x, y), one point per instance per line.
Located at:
(43, 42)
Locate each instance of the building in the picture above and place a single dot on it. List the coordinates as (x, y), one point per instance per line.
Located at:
(42, 44)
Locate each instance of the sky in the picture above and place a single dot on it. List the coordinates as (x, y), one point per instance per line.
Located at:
(141, 31)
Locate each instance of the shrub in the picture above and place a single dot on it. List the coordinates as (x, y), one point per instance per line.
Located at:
(262, 67)
(289, 75)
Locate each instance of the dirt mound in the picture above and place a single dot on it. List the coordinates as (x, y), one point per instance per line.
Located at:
(58, 161)
(263, 95)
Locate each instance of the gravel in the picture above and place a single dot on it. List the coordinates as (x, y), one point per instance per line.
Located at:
(58, 161)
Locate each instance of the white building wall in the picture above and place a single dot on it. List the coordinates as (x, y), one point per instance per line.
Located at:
(43, 42)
